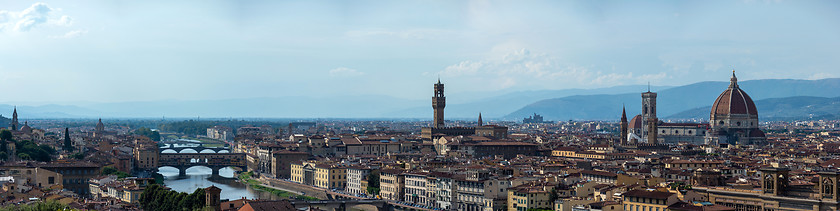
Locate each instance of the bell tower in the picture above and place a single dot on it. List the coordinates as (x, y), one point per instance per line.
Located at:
(438, 103)
(828, 186)
(14, 124)
(774, 181)
(212, 196)
(649, 120)
(623, 139)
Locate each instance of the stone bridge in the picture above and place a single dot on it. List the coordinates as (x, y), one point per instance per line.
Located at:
(196, 148)
(214, 161)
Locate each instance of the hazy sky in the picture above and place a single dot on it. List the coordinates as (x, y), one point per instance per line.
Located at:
(110, 51)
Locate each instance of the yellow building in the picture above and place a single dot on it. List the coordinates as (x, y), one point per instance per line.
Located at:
(391, 184)
(323, 175)
(527, 196)
(574, 153)
(146, 155)
(648, 200)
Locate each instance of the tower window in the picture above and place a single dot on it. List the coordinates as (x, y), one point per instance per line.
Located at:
(738, 123)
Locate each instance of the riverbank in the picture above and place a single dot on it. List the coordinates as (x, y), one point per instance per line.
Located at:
(207, 142)
(247, 179)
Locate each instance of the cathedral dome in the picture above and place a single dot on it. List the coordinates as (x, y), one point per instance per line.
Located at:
(636, 122)
(734, 101)
(26, 128)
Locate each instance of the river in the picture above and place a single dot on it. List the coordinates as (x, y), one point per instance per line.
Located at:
(199, 177)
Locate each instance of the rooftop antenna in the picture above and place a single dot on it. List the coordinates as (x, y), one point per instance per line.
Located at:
(648, 86)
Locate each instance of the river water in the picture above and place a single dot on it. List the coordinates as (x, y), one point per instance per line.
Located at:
(199, 177)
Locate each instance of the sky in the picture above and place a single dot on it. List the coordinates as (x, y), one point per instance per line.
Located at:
(119, 51)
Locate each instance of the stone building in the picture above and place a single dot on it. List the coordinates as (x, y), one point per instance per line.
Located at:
(439, 129)
(777, 193)
(734, 118)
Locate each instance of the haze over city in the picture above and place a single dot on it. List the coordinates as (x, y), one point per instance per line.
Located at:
(430, 105)
(82, 52)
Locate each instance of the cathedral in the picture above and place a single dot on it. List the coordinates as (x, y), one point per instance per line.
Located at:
(733, 120)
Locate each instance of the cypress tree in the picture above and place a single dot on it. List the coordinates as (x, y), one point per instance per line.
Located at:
(68, 146)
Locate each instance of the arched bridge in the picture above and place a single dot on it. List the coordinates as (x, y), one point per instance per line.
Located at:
(214, 161)
(198, 148)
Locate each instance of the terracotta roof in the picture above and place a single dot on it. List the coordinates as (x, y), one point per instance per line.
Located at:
(648, 194)
(270, 205)
(683, 206)
(636, 122)
(734, 101)
(601, 173)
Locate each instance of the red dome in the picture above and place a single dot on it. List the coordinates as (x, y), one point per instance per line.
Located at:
(636, 122)
(734, 101)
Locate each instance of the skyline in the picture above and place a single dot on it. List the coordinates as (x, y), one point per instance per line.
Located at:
(97, 51)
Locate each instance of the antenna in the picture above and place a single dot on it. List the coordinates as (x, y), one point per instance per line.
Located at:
(648, 86)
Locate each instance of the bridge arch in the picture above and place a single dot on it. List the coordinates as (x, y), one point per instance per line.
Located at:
(208, 150)
(214, 161)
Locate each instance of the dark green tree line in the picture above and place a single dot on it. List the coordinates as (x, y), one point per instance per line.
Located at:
(157, 198)
(153, 135)
(28, 150)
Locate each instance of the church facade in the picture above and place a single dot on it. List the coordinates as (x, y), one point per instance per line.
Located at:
(733, 120)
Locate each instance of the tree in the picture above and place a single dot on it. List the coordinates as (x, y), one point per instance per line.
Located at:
(373, 182)
(107, 170)
(155, 198)
(78, 156)
(68, 145)
(143, 131)
(5, 135)
(28, 150)
(5, 138)
(48, 205)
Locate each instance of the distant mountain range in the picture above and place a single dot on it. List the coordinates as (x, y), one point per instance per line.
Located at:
(368, 106)
(788, 108)
(674, 100)
(580, 104)
(499, 106)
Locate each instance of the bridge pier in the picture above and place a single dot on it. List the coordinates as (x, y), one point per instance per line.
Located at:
(215, 170)
(182, 171)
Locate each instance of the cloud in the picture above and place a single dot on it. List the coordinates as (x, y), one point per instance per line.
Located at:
(64, 21)
(524, 69)
(36, 15)
(345, 72)
(71, 34)
(817, 76)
